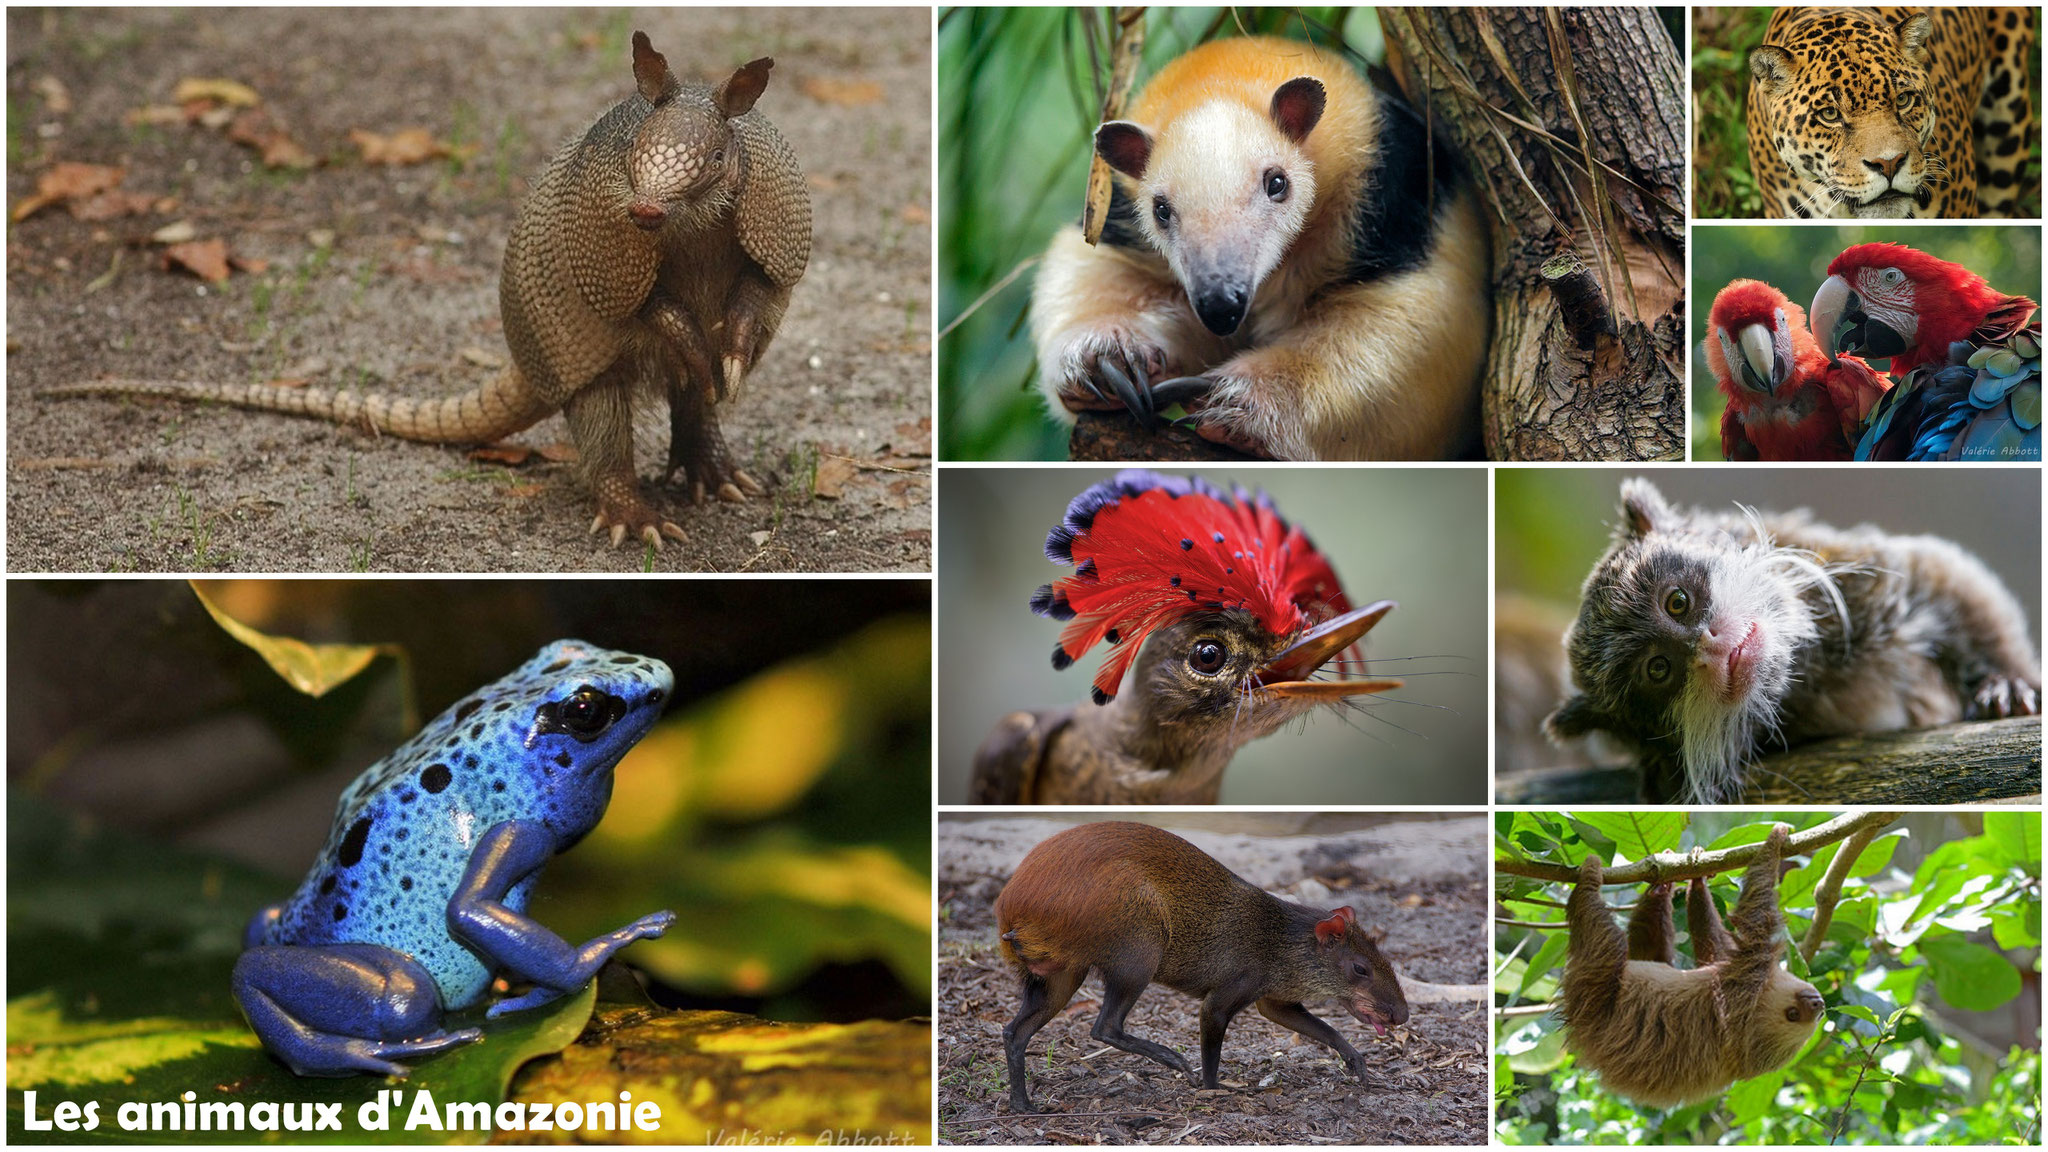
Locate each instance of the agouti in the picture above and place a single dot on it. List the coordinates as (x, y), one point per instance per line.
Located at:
(1143, 906)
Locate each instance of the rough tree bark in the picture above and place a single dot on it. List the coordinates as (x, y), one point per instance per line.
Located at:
(1571, 121)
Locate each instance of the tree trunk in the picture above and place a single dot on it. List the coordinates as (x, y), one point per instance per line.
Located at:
(1571, 122)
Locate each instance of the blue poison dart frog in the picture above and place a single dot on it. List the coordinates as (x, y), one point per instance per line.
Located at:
(418, 899)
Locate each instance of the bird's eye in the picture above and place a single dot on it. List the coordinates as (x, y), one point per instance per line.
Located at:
(1206, 657)
(1891, 277)
(1162, 212)
(1676, 603)
(1827, 116)
(1658, 669)
(1276, 185)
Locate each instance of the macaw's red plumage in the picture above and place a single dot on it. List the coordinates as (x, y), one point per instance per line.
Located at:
(1150, 550)
(1966, 357)
(1785, 400)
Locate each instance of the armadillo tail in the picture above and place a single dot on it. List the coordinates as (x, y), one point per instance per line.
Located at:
(491, 412)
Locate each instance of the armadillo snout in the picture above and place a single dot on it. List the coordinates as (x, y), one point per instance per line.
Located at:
(647, 214)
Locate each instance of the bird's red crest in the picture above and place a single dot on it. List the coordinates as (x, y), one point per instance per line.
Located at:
(1959, 306)
(1148, 549)
(1746, 302)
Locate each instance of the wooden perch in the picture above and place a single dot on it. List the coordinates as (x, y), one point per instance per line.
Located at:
(1677, 866)
(1966, 763)
(1117, 436)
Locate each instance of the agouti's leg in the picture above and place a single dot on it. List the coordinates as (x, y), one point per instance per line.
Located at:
(1297, 1018)
(1044, 996)
(600, 419)
(1121, 987)
(1219, 1008)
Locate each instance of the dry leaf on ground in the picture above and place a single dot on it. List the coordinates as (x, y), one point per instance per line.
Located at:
(69, 181)
(405, 146)
(834, 474)
(215, 90)
(503, 452)
(206, 259)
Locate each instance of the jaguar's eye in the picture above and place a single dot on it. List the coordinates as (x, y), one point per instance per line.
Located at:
(1677, 603)
(1162, 212)
(1906, 100)
(1827, 116)
(1206, 657)
(1658, 669)
(1276, 185)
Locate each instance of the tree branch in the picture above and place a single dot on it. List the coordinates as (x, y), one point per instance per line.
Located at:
(1829, 891)
(1675, 866)
(1965, 763)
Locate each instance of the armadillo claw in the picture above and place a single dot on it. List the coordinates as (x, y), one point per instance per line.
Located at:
(619, 534)
(748, 484)
(673, 532)
(735, 375)
(731, 495)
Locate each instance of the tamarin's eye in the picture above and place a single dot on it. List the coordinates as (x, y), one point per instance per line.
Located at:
(1162, 211)
(1676, 602)
(1658, 669)
(1276, 184)
(1206, 657)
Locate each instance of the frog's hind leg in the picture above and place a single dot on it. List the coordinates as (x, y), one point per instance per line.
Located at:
(338, 1009)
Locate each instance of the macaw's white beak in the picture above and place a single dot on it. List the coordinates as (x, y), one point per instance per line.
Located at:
(1288, 672)
(1841, 323)
(1761, 369)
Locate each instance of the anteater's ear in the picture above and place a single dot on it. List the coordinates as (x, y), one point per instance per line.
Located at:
(1575, 717)
(1297, 105)
(1127, 147)
(736, 96)
(650, 71)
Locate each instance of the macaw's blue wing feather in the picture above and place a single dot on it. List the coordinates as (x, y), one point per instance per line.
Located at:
(1984, 404)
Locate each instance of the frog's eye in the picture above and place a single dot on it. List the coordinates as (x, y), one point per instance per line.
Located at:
(585, 714)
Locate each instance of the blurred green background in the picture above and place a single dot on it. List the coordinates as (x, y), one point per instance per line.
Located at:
(1795, 257)
(782, 807)
(1552, 524)
(1019, 100)
(1722, 186)
(1415, 535)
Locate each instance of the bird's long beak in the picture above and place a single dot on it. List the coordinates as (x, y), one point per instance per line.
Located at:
(1287, 673)
(1762, 370)
(1841, 323)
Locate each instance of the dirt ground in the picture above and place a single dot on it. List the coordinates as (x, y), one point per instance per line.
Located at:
(1423, 882)
(385, 278)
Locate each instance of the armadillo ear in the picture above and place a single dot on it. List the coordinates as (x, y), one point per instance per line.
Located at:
(1127, 147)
(1297, 105)
(736, 96)
(650, 71)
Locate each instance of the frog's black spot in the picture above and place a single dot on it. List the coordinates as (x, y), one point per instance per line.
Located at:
(408, 796)
(405, 883)
(466, 708)
(501, 705)
(340, 913)
(497, 785)
(558, 665)
(624, 659)
(352, 844)
(564, 760)
(476, 731)
(327, 885)
(469, 760)
(436, 777)
(402, 833)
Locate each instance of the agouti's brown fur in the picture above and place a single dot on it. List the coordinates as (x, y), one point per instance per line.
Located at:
(1143, 906)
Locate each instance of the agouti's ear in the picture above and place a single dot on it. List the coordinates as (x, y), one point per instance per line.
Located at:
(1297, 105)
(650, 71)
(736, 96)
(1339, 920)
(1127, 147)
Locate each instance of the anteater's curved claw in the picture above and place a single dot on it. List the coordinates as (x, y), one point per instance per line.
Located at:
(1137, 400)
(1180, 390)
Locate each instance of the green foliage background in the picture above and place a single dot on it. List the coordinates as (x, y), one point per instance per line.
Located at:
(1722, 185)
(1795, 257)
(1019, 99)
(1957, 929)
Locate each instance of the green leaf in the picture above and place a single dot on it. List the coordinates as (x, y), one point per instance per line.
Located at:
(1545, 959)
(2015, 838)
(1969, 975)
(1637, 834)
(1748, 1100)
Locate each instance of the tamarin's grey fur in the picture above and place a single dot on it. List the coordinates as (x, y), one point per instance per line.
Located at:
(1666, 1036)
(1704, 638)
(1286, 243)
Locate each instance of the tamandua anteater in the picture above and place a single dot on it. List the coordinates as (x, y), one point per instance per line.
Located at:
(1285, 242)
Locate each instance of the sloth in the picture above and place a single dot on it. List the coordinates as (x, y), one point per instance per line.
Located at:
(1665, 1036)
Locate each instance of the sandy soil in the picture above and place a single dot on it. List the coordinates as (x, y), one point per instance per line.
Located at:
(1423, 882)
(405, 298)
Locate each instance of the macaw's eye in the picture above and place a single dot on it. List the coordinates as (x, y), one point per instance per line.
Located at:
(1891, 277)
(585, 714)
(1206, 657)
(1162, 211)
(1276, 184)
(1658, 669)
(1677, 603)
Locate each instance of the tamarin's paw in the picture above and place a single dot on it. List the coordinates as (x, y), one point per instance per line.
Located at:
(2000, 696)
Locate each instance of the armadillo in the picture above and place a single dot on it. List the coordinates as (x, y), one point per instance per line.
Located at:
(655, 254)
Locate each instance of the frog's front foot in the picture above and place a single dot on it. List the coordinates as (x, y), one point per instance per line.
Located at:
(594, 955)
(340, 1009)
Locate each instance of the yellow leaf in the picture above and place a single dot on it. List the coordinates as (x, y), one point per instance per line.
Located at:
(314, 669)
(220, 91)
